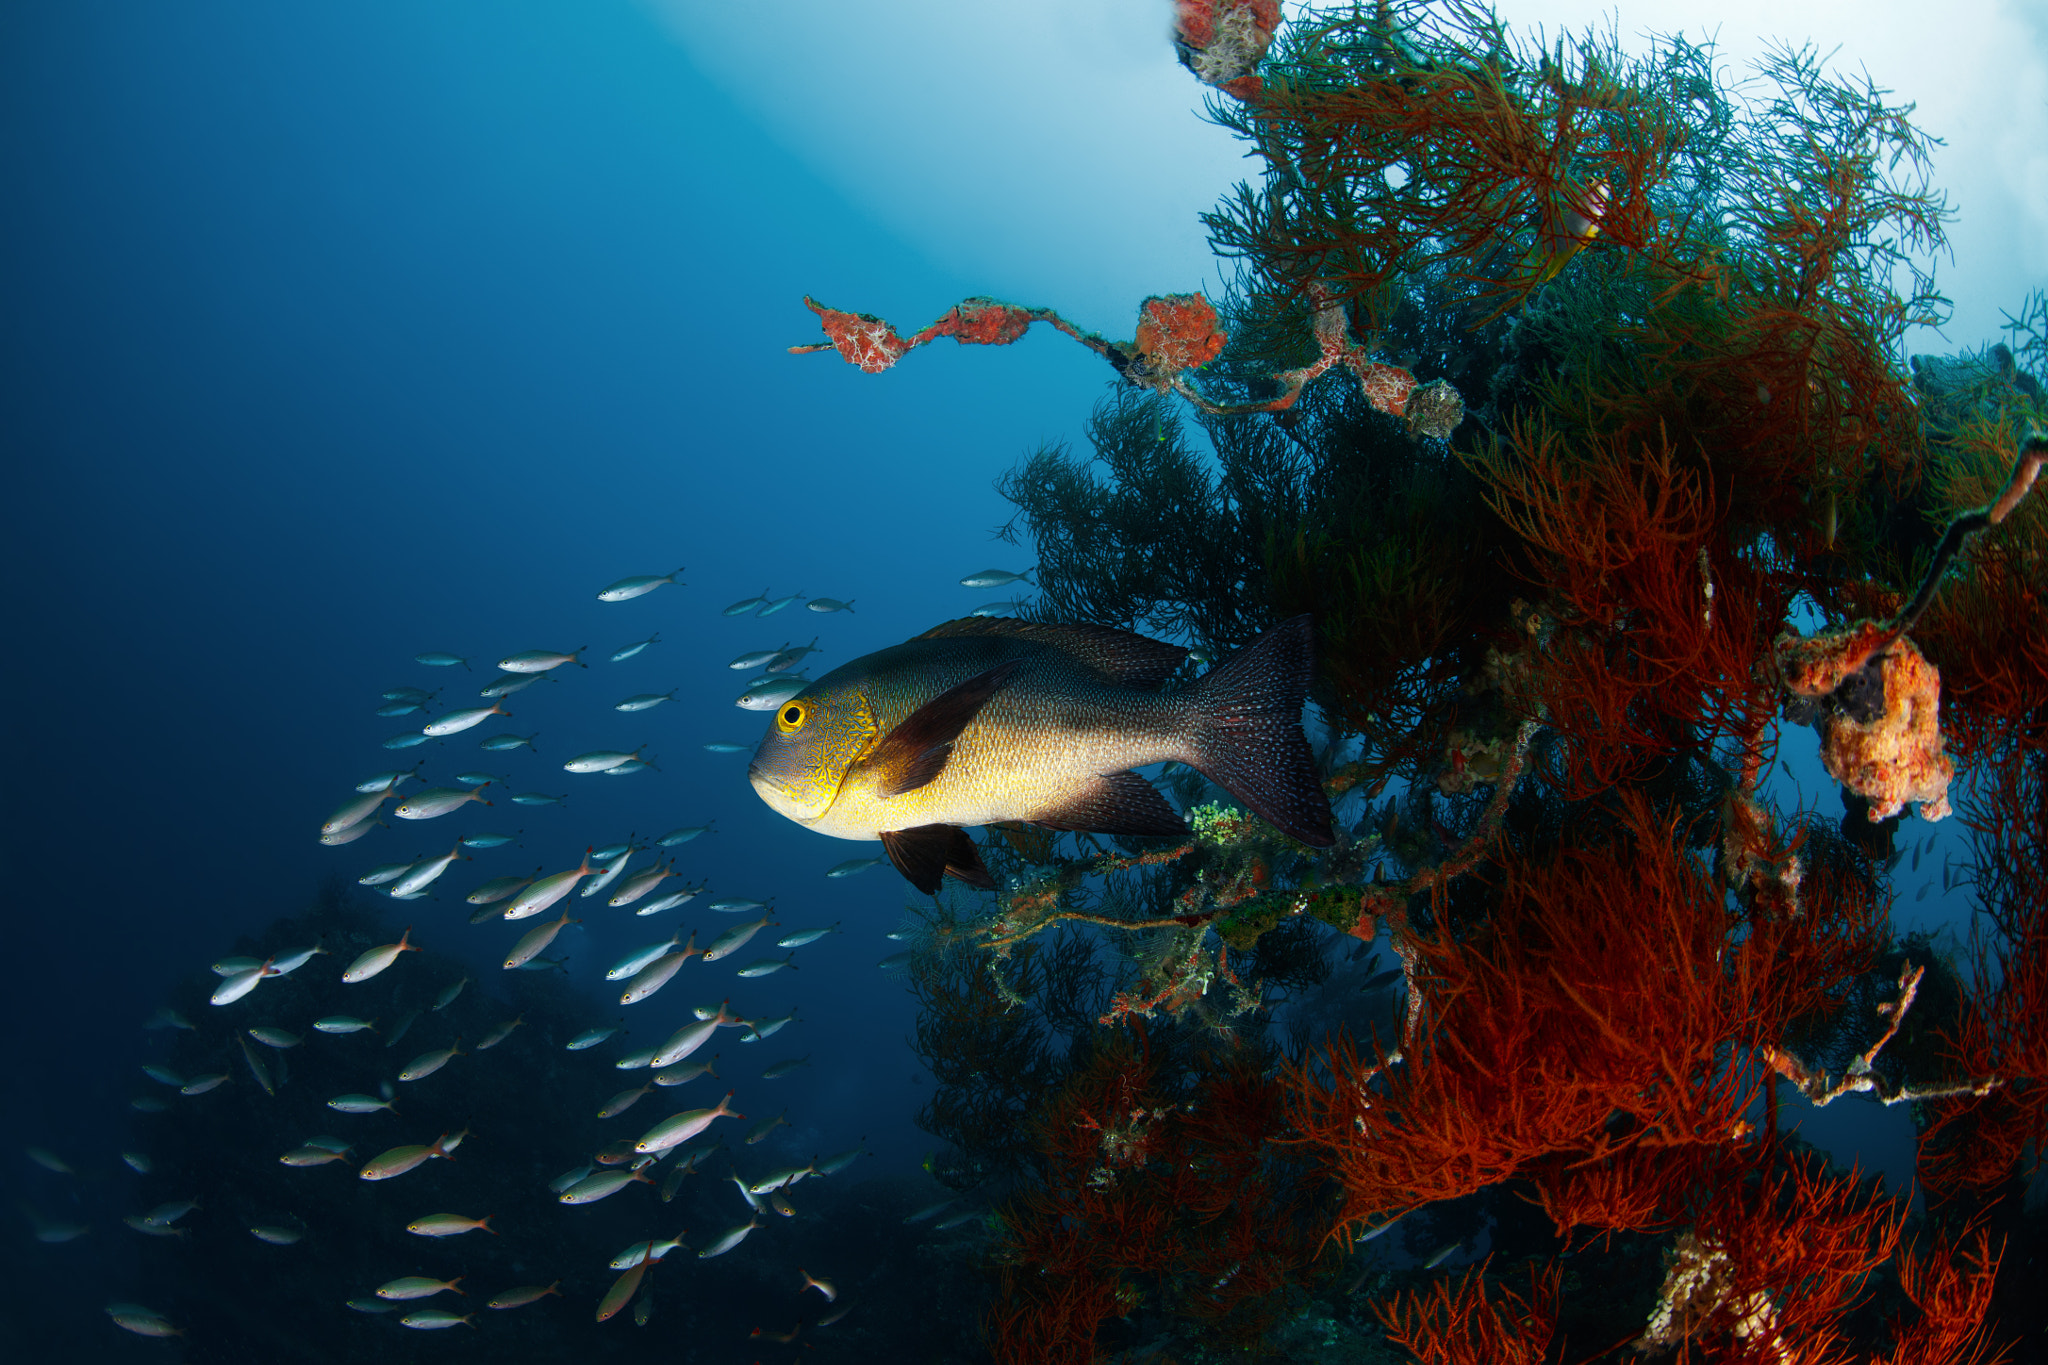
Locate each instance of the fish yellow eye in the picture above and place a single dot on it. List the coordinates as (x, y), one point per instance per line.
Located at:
(791, 717)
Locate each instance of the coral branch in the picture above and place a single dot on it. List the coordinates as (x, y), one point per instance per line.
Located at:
(1859, 1078)
(1972, 523)
(1177, 334)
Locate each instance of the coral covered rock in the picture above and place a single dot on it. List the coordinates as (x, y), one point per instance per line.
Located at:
(1877, 702)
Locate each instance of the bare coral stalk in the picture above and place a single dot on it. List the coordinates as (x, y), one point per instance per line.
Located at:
(1972, 523)
(1860, 1078)
(1177, 334)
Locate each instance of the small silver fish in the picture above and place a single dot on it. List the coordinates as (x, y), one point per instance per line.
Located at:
(722, 748)
(645, 701)
(677, 1129)
(671, 900)
(427, 1063)
(625, 652)
(505, 684)
(431, 802)
(498, 744)
(828, 604)
(597, 760)
(425, 872)
(536, 940)
(355, 811)
(624, 1100)
(449, 1225)
(741, 608)
(632, 962)
(440, 658)
(761, 1130)
(768, 966)
(770, 608)
(525, 1294)
(804, 936)
(730, 1239)
(997, 578)
(540, 660)
(455, 722)
(640, 883)
(590, 1038)
(343, 1023)
(685, 1072)
(766, 696)
(626, 589)
(377, 959)
(416, 1287)
(499, 1034)
(545, 891)
(498, 888)
(657, 974)
(735, 938)
(602, 1185)
(853, 866)
(387, 781)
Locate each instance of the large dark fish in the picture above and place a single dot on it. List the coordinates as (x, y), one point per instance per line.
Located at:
(988, 719)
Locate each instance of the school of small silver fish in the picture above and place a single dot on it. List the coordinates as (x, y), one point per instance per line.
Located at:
(366, 997)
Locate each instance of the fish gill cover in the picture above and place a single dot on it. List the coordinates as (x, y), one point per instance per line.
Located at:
(1561, 387)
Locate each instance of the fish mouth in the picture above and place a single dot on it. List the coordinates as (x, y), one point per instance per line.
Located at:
(781, 799)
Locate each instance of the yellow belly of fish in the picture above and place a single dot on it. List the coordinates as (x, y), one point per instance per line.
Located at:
(1015, 762)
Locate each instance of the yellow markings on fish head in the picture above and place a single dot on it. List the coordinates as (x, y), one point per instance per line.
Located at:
(816, 737)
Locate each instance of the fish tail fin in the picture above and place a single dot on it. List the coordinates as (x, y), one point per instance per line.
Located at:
(1247, 732)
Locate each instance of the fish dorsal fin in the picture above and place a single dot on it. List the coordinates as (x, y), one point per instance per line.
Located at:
(1119, 655)
(916, 750)
(1119, 803)
(926, 854)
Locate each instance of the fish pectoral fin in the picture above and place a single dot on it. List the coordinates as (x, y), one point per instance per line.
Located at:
(1119, 803)
(915, 752)
(926, 854)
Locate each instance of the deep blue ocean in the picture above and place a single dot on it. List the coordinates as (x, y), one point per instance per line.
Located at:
(333, 335)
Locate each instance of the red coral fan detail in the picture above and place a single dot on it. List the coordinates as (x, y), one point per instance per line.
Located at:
(1462, 1324)
(1178, 332)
